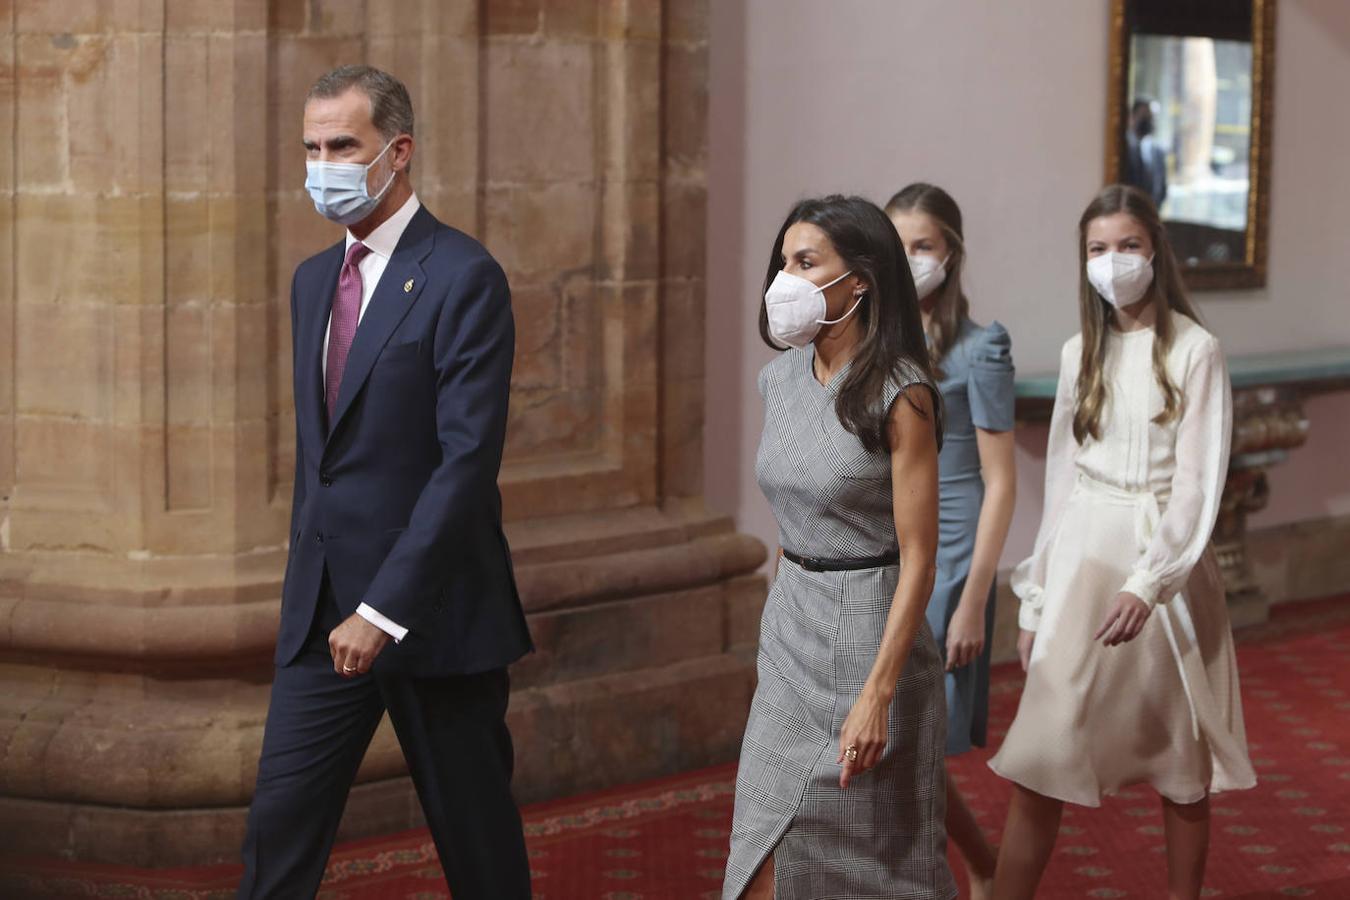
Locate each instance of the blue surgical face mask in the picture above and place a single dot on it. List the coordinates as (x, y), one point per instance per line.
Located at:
(339, 189)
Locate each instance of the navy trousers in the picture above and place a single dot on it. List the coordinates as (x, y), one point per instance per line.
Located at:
(454, 738)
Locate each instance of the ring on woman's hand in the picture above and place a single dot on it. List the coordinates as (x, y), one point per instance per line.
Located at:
(349, 668)
(851, 753)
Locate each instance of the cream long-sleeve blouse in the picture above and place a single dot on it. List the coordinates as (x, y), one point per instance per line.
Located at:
(1183, 463)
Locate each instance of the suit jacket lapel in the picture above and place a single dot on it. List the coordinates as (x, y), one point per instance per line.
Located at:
(309, 399)
(388, 306)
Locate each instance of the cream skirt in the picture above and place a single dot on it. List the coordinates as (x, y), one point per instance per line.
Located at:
(1163, 709)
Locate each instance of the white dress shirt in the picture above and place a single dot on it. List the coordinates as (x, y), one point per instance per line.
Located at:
(1183, 461)
(381, 242)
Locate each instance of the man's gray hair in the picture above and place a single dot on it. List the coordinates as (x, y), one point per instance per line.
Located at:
(391, 109)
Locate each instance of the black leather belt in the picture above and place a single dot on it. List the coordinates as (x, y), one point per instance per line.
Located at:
(848, 564)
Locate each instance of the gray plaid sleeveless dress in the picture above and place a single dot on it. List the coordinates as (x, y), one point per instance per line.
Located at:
(883, 836)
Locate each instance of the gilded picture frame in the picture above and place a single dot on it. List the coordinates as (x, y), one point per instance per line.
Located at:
(1249, 272)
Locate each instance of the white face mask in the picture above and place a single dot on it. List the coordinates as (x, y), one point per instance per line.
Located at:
(339, 190)
(796, 308)
(928, 273)
(1121, 278)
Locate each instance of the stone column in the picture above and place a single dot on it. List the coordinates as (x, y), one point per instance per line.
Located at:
(154, 214)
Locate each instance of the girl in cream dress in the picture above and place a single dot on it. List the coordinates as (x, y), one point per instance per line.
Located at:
(1131, 676)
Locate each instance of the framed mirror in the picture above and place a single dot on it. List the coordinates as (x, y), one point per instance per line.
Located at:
(1189, 113)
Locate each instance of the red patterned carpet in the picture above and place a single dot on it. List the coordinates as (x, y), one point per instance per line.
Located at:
(1290, 837)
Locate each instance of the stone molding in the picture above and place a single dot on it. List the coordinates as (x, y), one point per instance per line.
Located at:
(152, 176)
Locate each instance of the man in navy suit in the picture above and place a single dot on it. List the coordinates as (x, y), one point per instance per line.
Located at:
(399, 594)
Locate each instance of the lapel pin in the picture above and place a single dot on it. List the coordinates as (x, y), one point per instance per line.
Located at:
(407, 286)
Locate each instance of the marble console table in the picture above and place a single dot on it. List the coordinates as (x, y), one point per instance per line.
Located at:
(1268, 422)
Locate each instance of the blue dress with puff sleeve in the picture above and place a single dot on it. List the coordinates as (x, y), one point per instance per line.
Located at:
(977, 392)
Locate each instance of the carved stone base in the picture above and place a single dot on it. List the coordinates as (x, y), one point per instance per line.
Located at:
(570, 738)
(1302, 560)
(1267, 424)
(1247, 602)
(645, 666)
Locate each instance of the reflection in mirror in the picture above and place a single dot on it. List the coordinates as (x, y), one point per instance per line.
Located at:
(1189, 124)
(1188, 139)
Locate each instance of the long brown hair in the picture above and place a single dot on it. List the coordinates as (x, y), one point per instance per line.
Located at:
(891, 347)
(1098, 316)
(950, 307)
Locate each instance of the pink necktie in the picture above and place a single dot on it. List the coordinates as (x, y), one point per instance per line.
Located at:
(342, 326)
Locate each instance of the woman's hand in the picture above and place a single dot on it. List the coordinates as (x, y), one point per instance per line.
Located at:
(965, 635)
(1025, 641)
(865, 732)
(1124, 621)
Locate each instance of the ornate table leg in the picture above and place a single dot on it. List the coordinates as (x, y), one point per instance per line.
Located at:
(1267, 424)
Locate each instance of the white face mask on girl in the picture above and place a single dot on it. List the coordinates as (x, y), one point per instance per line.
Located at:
(928, 273)
(796, 308)
(1121, 278)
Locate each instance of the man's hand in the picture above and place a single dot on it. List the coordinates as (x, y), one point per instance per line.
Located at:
(354, 645)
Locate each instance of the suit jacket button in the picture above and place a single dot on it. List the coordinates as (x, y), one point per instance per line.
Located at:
(318, 537)
(326, 480)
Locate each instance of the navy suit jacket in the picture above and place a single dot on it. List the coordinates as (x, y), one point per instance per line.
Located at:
(397, 497)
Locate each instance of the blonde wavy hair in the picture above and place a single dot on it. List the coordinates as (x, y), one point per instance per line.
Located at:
(1098, 316)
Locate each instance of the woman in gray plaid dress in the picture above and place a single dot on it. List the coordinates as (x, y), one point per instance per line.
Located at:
(840, 788)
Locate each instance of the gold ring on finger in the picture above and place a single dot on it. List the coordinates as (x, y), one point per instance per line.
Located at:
(851, 753)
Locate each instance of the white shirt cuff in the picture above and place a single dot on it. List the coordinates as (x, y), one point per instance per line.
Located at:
(1033, 599)
(382, 622)
(1028, 617)
(1144, 586)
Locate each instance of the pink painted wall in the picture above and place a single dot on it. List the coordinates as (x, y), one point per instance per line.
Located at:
(1003, 107)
